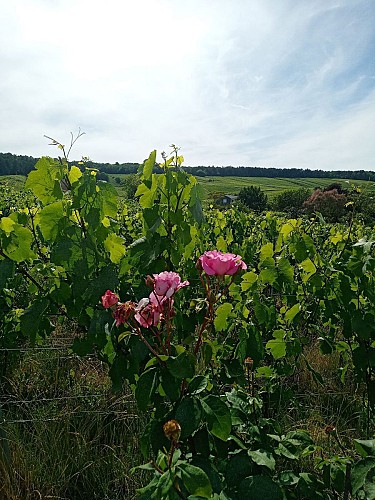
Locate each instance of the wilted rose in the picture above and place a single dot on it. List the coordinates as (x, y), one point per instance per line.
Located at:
(216, 263)
(123, 312)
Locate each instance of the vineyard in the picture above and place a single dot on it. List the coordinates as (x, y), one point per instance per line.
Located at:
(158, 350)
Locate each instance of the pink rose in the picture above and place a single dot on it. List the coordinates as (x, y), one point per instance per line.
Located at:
(167, 283)
(109, 299)
(147, 313)
(216, 263)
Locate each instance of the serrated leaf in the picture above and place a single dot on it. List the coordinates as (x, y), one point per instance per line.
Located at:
(221, 316)
(44, 182)
(248, 279)
(18, 245)
(7, 225)
(48, 219)
(32, 320)
(148, 165)
(115, 245)
(74, 174)
(277, 347)
(286, 269)
(292, 313)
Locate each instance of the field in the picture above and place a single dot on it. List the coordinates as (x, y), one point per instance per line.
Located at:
(271, 186)
(229, 185)
(247, 371)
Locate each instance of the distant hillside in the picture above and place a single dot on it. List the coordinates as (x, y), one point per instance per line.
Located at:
(11, 164)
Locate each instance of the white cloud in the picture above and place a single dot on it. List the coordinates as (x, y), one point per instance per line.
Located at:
(260, 82)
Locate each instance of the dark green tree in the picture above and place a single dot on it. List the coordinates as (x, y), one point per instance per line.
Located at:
(292, 200)
(254, 198)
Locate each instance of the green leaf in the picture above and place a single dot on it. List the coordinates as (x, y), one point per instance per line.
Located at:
(188, 415)
(221, 316)
(292, 313)
(278, 345)
(145, 387)
(148, 165)
(239, 466)
(316, 375)
(165, 485)
(195, 480)
(248, 279)
(44, 182)
(218, 417)
(221, 244)
(115, 245)
(7, 268)
(309, 267)
(198, 384)
(263, 457)
(74, 174)
(7, 225)
(18, 245)
(268, 275)
(109, 198)
(183, 366)
(365, 447)
(360, 471)
(49, 218)
(266, 252)
(195, 206)
(259, 487)
(32, 320)
(286, 270)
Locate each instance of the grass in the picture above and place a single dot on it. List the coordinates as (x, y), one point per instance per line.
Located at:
(69, 436)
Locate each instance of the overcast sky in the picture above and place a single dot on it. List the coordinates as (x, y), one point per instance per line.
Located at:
(232, 82)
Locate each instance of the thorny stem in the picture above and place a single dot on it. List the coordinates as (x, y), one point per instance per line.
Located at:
(145, 341)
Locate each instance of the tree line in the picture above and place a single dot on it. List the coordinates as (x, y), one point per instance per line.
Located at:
(11, 164)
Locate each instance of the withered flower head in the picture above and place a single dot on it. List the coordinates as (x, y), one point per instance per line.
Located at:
(123, 312)
(150, 281)
(249, 362)
(172, 430)
(330, 429)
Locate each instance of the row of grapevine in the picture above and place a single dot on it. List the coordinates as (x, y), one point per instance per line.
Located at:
(204, 315)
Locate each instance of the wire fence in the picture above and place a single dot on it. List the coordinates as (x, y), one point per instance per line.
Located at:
(50, 383)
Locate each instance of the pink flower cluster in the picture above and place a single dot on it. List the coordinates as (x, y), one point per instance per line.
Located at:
(149, 311)
(215, 263)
